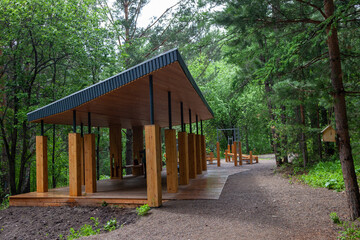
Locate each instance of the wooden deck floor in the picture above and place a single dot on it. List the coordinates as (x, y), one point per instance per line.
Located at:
(132, 190)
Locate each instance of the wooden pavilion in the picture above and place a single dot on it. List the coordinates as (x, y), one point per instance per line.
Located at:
(158, 93)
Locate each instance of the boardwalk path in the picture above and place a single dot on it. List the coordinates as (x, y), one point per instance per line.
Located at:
(254, 204)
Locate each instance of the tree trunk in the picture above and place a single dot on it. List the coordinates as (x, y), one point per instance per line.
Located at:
(342, 129)
(319, 143)
(284, 142)
(303, 137)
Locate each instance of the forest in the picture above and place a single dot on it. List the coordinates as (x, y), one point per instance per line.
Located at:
(280, 71)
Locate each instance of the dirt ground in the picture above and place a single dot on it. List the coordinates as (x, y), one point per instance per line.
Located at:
(254, 204)
(50, 222)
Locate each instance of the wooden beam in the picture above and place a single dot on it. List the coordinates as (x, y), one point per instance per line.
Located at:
(74, 164)
(198, 154)
(153, 167)
(218, 153)
(138, 142)
(171, 161)
(240, 154)
(183, 158)
(192, 155)
(235, 153)
(115, 152)
(41, 164)
(82, 159)
(90, 164)
(203, 153)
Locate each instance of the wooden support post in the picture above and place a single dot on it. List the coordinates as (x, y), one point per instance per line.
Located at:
(183, 158)
(203, 153)
(218, 153)
(74, 164)
(138, 142)
(251, 157)
(153, 167)
(240, 154)
(235, 154)
(226, 155)
(192, 155)
(82, 159)
(228, 148)
(90, 164)
(115, 152)
(41, 164)
(198, 154)
(171, 161)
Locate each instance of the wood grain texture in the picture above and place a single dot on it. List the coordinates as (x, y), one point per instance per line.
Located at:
(218, 154)
(153, 166)
(183, 158)
(82, 159)
(171, 161)
(203, 153)
(192, 155)
(198, 154)
(74, 164)
(90, 164)
(115, 152)
(41, 164)
(240, 154)
(235, 154)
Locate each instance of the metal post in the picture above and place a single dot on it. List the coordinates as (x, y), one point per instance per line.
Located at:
(82, 129)
(169, 106)
(89, 122)
(42, 128)
(201, 127)
(197, 125)
(74, 121)
(152, 121)
(182, 117)
(190, 121)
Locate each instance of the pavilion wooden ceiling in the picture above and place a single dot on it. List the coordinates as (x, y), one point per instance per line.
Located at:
(128, 103)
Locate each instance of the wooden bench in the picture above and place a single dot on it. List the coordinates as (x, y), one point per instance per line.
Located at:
(244, 157)
(210, 157)
(137, 170)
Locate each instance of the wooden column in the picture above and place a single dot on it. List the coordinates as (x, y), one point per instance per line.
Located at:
(138, 142)
(90, 164)
(82, 159)
(235, 154)
(192, 155)
(226, 155)
(171, 161)
(218, 153)
(251, 157)
(232, 151)
(203, 153)
(228, 148)
(115, 152)
(41, 164)
(153, 167)
(183, 158)
(74, 164)
(198, 154)
(240, 154)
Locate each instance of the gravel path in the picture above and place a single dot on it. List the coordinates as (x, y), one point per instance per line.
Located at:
(254, 204)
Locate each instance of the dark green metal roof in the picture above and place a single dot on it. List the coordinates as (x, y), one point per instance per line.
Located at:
(94, 91)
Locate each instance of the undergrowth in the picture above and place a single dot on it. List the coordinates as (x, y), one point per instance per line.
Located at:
(93, 229)
(350, 230)
(143, 210)
(5, 202)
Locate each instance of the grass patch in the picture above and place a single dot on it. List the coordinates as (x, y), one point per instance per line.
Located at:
(143, 210)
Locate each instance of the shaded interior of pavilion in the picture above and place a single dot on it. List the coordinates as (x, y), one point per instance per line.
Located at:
(159, 93)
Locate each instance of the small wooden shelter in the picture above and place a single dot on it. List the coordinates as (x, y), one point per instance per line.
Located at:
(155, 94)
(328, 134)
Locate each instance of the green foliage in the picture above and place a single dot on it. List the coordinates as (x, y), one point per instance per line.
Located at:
(5, 202)
(104, 204)
(111, 225)
(326, 175)
(334, 217)
(86, 230)
(143, 210)
(103, 177)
